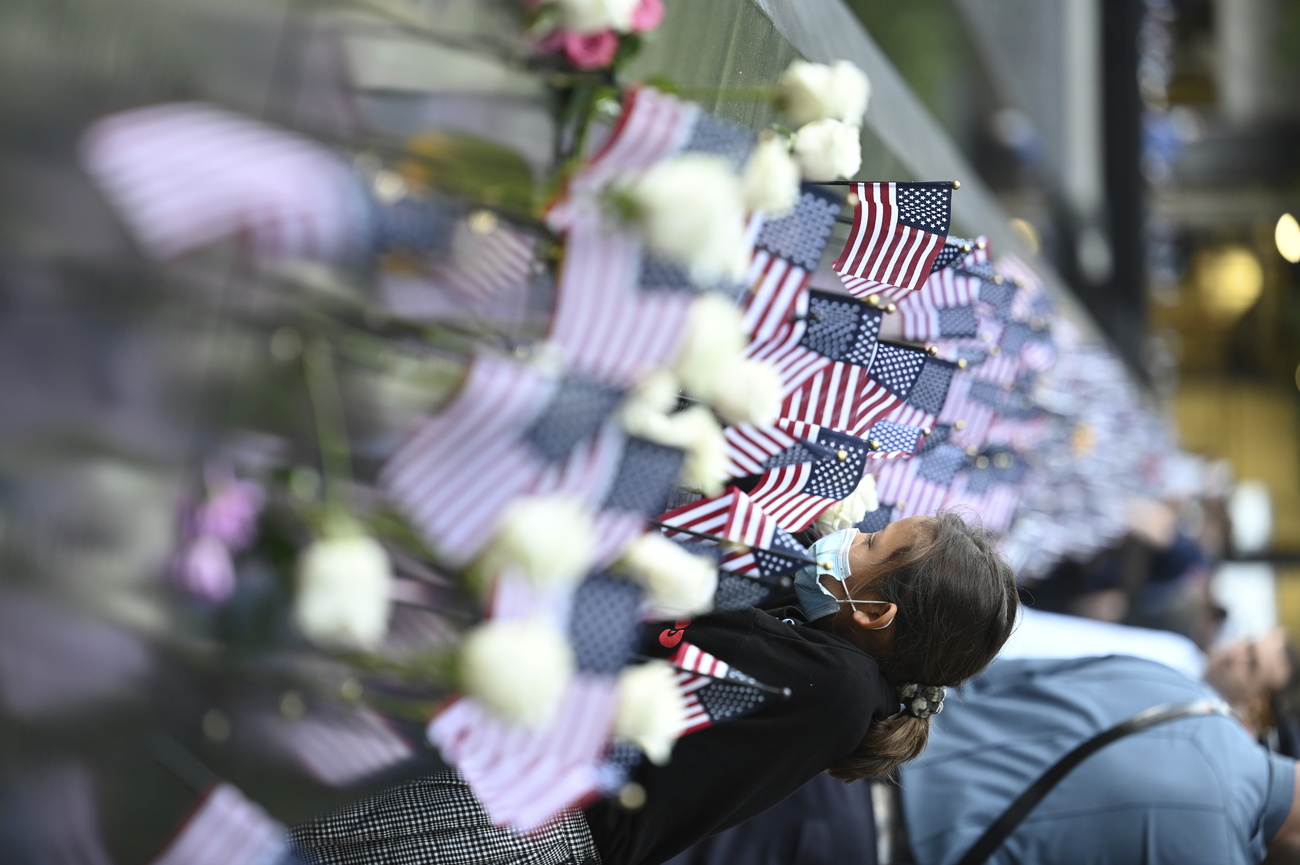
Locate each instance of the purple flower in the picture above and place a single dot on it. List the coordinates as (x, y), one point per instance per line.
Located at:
(230, 514)
(205, 569)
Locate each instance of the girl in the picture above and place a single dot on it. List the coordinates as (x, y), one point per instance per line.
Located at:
(885, 620)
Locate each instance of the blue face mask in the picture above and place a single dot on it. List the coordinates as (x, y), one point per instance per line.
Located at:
(831, 556)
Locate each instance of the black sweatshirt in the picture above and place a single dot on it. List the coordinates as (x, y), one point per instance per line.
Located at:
(723, 775)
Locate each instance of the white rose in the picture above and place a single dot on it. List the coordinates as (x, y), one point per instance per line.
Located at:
(644, 413)
(698, 433)
(828, 150)
(746, 391)
(678, 584)
(849, 512)
(658, 390)
(691, 210)
(518, 668)
(771, 178)
(813, 91)
(650, 711)
(548, 539)
(715, 336)
(343, 591)
(590, 16)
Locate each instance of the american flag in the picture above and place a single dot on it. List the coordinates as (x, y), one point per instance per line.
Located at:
(992, 489)
(954, 250)
(335, 746)
(786, 254)
(641, 486)
(889, 440)
(524, 776)
(874, 292)
(842, 396)
(620, 311)
(919, 380)
(603, 323)
(766, 549)
(822, 330)
(901, 383)
(228, 828)
(604, 623)
(652, 127)
(484, 262)
(187, 175)
(509, 431)
(753, 450)
(876, 520)
(796, 495)
(898, 231)
(924, 319)
(920, 485)
(995, 506)
(966, 417)
(714, 691)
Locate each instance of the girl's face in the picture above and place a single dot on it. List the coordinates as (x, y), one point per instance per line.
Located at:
(871, 550)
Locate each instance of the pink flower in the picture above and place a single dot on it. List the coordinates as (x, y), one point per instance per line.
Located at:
(230, 514)
(205, 570)
(648, 15)
(588, 50)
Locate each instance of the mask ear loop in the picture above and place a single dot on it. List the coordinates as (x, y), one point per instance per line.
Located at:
(851, 602)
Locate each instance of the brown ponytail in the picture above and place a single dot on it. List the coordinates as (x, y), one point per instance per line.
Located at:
(957, 605)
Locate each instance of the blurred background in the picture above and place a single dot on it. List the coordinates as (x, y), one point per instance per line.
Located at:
(1144, 148)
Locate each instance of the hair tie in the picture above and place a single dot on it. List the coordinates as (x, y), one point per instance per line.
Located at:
(922, 701)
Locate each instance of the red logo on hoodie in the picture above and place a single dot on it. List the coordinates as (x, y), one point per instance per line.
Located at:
(670, 637)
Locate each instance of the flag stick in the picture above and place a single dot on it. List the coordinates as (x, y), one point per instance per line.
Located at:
(951, 184)
(779, 582)
(708, 537)
(783, 693)
(181, 763)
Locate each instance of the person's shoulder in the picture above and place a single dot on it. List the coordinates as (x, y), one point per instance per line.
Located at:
(1098, 668)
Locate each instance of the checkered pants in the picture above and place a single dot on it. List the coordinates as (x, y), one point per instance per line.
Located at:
(436, 820)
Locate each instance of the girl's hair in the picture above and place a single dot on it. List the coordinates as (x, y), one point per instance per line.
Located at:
(957, 605)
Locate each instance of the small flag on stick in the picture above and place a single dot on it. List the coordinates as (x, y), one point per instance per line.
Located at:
(898, 231)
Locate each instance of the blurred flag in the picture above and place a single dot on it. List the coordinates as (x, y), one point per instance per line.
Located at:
(484, 260)
(992, 498)
(524, 776)
(898, 231)
(786, 254)
(56, 662)
(186, 175)
(966, 416)
(604, 623)
(509, 431)
(333, 745)
(652, 127)
(603, 324)
(953, 251)
(889, 440)
(920, 485)
(640, 487)
(226, 829)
